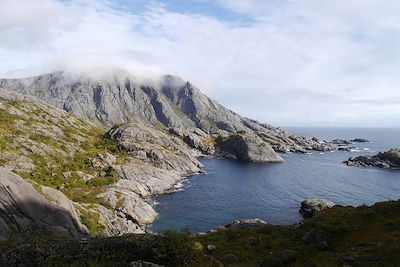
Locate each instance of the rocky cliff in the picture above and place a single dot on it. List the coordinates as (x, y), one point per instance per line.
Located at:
(170, 101)
(76, 176)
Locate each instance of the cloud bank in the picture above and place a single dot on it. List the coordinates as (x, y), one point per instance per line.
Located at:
(286, 62)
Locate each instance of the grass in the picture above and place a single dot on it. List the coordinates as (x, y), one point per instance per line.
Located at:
(362, 236)
(91, 221)
(74, 150)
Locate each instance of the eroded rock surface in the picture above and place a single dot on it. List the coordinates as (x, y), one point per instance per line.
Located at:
(24, 211)
(246, 147)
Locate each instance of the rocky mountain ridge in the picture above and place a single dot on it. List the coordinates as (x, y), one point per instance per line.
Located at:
(167, 100)
(55, 136)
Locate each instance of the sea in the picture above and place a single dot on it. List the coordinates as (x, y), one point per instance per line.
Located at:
(233, 190)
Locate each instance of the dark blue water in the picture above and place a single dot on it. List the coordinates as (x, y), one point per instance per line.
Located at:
(233, 190)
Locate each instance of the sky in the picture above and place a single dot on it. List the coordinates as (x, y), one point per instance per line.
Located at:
(286, 62)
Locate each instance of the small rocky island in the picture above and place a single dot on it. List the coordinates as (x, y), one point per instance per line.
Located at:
(386, 160)
(347, 145)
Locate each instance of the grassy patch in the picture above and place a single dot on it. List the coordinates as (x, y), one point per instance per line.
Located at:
(362, 236)
(91, 221)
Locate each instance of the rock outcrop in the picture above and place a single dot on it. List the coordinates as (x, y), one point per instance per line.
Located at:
(246, 147)
(26, 211)
(386, 160)
(360, 140)
(310, 206)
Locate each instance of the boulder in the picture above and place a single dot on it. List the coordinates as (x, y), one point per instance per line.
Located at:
(24, 211)
(310, 206)
(246, 147)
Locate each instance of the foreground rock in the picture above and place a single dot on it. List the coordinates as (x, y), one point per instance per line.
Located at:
(25, 212)
(310, 206)
(386, 160)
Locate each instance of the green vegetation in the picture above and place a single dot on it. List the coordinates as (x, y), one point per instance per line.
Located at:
(393, 155)
(340, 236)
(91, 221)
(67, 152)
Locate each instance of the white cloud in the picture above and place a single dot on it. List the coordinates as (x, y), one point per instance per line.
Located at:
(307, 62)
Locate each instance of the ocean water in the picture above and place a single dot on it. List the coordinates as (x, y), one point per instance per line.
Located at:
(234, 190)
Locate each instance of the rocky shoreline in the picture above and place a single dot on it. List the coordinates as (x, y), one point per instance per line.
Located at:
(386, 160)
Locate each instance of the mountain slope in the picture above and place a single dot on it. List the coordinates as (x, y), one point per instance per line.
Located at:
(168, 100)
(108, 187)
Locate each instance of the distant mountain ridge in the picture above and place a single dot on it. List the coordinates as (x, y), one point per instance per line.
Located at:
(169, 100)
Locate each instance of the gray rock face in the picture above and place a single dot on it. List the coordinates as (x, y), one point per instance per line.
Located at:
(247, 223)
(310, 206)
(156, 147)
(24, 211)
(385, 160)
(246, 147)
(168, 100)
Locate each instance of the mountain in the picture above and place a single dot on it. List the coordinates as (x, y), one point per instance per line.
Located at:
(61, 175)
(82, 155)
(120, 98)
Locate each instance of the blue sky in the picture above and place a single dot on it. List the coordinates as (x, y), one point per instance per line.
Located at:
(285, 62)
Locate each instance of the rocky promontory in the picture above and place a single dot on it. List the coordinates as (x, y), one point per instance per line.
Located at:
(246, 147)
(386, 160)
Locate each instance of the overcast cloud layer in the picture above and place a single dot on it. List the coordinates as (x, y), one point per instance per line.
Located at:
(285, 62)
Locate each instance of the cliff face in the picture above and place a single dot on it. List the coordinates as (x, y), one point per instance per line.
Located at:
(169, 100)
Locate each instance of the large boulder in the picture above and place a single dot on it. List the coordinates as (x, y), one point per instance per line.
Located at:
(24, 211)
(310, 206)
(246, 147)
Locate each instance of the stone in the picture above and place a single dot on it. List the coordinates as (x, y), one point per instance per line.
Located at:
(211, 248)
(341, 142)
(246, 147)
(15, 162)
(247, 223)
(25, 212)
(67, 175)
(360, 140)
(310, 206)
